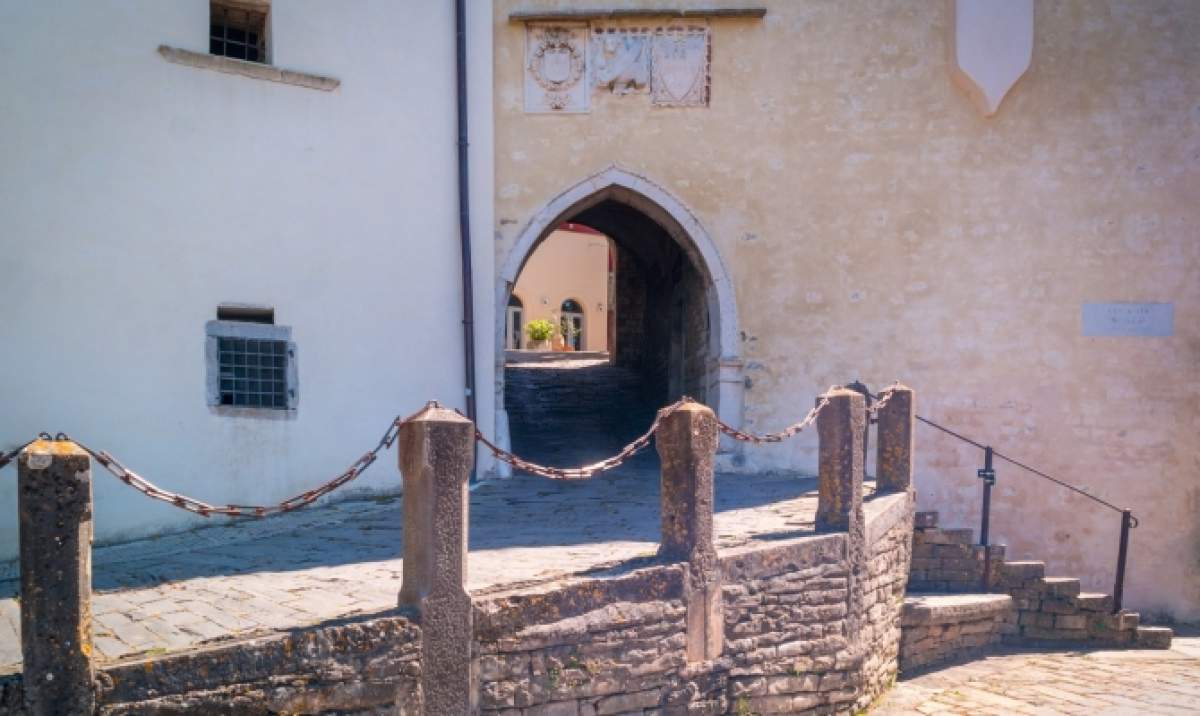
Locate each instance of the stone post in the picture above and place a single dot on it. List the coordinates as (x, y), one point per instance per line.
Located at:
(436, 452)
(839, 503)
(687, 445)
(839, 429)
(54, 503)
(894, 451)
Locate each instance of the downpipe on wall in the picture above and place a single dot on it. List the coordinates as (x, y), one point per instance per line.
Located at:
(464, 207)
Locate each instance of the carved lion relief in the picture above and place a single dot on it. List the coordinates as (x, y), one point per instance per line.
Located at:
(621, 59)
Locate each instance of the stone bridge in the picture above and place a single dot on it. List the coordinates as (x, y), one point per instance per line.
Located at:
(805, 620)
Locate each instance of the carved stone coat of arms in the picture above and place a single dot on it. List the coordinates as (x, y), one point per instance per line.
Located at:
(556, 68)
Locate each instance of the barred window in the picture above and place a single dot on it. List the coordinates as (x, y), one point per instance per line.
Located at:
(238, 29)
(253, 373)
(251, 363)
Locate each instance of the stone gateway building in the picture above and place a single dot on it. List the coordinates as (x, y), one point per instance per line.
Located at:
(992, 201)
(237, 245)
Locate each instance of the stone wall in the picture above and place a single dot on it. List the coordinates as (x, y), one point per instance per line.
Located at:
(363, 666)
(585, 648)
(850, 188)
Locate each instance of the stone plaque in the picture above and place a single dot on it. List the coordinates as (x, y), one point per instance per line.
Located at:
(621, 59)
(1128, 319)
(556, 68)
(679, 67)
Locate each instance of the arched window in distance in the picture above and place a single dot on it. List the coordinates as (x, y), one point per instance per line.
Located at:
(514, 327)
(571, 318)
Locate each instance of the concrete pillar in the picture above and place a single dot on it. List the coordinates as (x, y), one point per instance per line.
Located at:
(687, 445)
(54, 503)
(436, 451)
(894, 452)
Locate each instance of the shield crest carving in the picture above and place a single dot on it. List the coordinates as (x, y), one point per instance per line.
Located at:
(680, 60)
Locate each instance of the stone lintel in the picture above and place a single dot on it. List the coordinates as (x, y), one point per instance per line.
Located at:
(894, 449)
(253, 70)
(54, 504)
(436, 451)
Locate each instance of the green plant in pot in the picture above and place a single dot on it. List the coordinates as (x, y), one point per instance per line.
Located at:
(539, 333)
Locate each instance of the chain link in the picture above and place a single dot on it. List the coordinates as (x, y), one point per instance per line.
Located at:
(586, 471)
(777, 437)
(204, 509)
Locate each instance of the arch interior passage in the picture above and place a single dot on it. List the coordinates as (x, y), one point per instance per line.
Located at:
(568, 410)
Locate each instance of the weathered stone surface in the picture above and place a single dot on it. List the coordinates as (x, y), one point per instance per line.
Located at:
(687, 446)
(54, 487)
(436, 455)
(840, 427)
(894, 451)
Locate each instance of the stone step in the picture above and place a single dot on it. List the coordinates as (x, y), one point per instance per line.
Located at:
(960, 536)
(1058, 586)
(953, 608)
(926, 520)
(1128, 621)
(1023, 570)
(1094, 602)
(1149, 637)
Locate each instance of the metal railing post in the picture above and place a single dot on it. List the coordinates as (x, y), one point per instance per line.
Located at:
(988, 475)
(1122, 554)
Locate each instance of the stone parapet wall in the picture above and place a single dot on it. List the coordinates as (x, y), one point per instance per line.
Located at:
(585, 648)
(358, 667)
(941, 627)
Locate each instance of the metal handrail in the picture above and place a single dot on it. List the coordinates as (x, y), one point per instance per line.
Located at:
(988, 474)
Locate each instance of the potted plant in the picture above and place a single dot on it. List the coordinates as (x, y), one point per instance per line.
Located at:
(539, 333)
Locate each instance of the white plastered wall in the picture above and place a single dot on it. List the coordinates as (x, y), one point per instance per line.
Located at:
(139, 194)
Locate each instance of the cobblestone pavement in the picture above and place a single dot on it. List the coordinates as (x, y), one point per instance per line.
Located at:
(1145, 683)
(341, 559)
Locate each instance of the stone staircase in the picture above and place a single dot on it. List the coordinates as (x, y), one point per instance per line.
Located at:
(949, 615)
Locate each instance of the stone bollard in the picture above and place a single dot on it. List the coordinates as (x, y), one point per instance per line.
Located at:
(839, 429)
(894, 451)
(839, 503)
(436, 452)
(687, 445)
(54, 501)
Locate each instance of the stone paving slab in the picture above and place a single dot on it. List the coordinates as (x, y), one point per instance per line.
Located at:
(1051, 682)
(336, 560)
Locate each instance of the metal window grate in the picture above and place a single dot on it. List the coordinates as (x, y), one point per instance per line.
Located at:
(253, 373)
(237, 33)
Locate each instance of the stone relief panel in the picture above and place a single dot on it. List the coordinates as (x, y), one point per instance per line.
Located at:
(621, 59)
(556, 68)
(680, 67)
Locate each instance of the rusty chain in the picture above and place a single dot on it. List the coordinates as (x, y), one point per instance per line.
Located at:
(191, 504)
(586, 471)
(204, 509)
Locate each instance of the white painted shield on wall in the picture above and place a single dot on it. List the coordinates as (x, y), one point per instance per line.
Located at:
(993, 47)
(679, 65)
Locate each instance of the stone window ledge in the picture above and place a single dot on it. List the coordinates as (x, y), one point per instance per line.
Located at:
(254, 70)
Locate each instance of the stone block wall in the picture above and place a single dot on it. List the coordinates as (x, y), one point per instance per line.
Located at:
(364, 666)
(590, 647)
(939, 628)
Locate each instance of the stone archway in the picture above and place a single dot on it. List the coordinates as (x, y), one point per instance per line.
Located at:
(614, 195)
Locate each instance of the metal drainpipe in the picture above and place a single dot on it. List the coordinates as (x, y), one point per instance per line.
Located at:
(464, 206)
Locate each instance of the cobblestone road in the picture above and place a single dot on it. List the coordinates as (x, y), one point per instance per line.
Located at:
(1141, 683)
(341, 559)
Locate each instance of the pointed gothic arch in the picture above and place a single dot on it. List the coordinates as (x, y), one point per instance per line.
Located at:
(724, 380)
